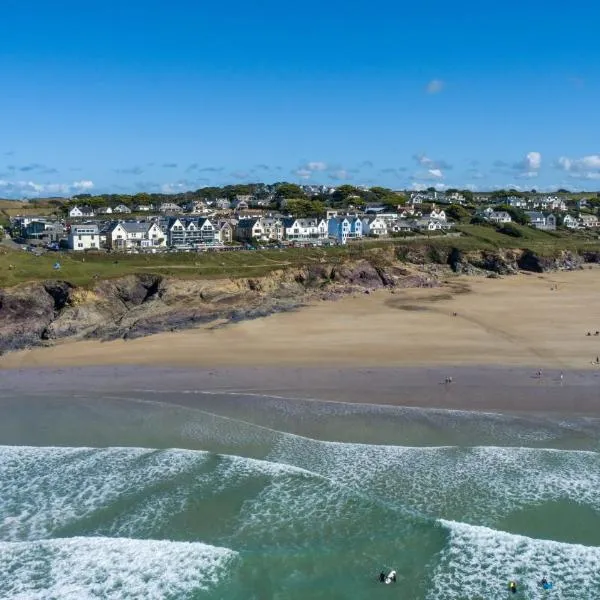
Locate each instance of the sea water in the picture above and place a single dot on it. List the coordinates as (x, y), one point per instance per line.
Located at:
(152, 495)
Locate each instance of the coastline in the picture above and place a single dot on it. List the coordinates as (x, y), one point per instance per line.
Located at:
(386, 347)
(531, 321)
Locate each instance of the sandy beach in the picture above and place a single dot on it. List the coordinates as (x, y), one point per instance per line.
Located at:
(533, 321)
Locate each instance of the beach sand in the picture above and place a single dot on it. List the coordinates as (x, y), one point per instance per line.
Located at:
(529, 320)
(379, 348)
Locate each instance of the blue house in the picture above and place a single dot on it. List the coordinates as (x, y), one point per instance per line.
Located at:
(339, 228)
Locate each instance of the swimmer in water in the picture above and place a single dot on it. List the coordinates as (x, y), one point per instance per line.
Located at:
(512, 586)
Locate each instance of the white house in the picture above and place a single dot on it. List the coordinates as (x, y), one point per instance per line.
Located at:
(426, 224)
(436, 213)
(191, 232)
(169, 207)
(374, 226)
(84, 237)
(499, 216)
(266, 229)
(588, 221)
(81, 211)
(144, 207)
(104, 210)
(122, 208)
(196, 207)
(312, 229)
(570, 222)
(135, 234)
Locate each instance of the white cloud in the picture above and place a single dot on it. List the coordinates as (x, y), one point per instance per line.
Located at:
(586, 167)
(436, 173)
(340, 175)
(174, 188)
(529, 166)
(534, 161)
(31, 189)
(435, 86)
(420, 186)
(316, 166)
(430, 163)
(303, 173)
(83, 185)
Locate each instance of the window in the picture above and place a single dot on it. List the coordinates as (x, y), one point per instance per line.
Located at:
(80, 237)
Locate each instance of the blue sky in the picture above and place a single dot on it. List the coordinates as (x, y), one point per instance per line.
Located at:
(150, 96)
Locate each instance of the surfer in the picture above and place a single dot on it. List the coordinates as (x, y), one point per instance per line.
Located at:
(512, 586)
(387, 579)
(544, 583)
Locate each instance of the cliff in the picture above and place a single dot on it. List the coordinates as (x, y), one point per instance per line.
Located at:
(138, 305)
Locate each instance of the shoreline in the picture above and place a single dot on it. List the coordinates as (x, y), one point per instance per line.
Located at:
(475, 389)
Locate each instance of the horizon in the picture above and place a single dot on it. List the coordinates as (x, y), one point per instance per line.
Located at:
(168, 98)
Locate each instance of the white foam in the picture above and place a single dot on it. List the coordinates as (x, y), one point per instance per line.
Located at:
(479, 484)
(120, 569)
(478, 562)
(43, 490)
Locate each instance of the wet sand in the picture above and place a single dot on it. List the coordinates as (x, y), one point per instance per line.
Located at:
(472, 388)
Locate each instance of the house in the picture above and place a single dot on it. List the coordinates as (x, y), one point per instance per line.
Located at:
(191, 232)
(84, 237)
(436, 213)
(588, 221)
(540, 221)
(401, 226)
(143, 207)
(374, 226)
(339, 229)
(104, 210)
(513, 201)
(570, 222)
(265, 229)
(356, 230)
(122, 209)
(499, 216)
(124, 235)
(81, 211)
(167, 207)
(196, 207)
(456, 197)
(224, 232)
(222, 203)
(550, 203)
(425, 224)
(305, 230)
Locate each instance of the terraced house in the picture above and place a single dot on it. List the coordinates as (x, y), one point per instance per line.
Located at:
(304, 230)
(191, 232)
(264, 229)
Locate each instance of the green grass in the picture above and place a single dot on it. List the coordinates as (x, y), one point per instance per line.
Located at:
(18, 266)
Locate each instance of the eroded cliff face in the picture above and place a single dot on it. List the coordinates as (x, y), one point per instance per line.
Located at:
(137, 305)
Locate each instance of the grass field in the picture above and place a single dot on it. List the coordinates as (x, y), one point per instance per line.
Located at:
(18, 266)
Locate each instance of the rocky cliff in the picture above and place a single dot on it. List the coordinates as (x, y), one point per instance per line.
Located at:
(137, 305)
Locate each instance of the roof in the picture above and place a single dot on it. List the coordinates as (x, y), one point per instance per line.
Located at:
(87, 226)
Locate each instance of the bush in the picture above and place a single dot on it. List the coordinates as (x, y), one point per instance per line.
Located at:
(510, 229)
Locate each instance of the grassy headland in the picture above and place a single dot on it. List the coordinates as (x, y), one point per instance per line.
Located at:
(17, 266)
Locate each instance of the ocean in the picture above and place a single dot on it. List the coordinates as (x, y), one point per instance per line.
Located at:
(156, 494)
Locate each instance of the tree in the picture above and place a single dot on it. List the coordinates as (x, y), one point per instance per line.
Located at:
(517, 215)
(458, 212)
(289, 190)
(302, 208)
